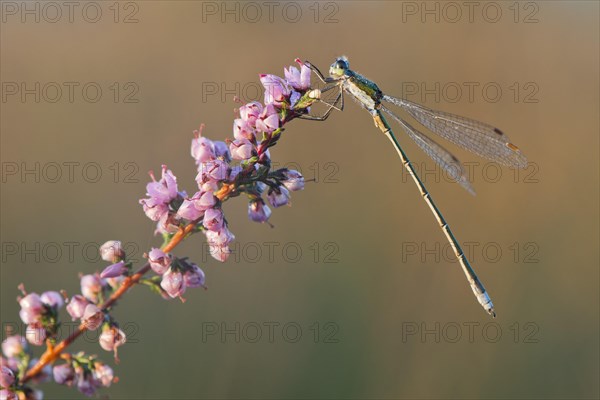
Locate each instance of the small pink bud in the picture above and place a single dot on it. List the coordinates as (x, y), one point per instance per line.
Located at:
(76, 306)
(104, 374)
(159, 261)
(173, 283)
(213, 219)
(52, 299)
(111, 338)
(92, 317)
(91, 286)
(64, 374)
(115, 270)
(6, 394)
(7, 377)
(35, 334)
(14, 345)
(194, 277)
(112, 251)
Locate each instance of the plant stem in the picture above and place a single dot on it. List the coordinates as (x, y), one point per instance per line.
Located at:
(53, 352)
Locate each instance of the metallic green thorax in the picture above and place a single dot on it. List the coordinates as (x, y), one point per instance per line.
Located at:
(365, 91)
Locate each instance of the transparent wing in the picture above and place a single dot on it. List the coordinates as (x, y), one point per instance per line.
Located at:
(440, 155)
(478, 137)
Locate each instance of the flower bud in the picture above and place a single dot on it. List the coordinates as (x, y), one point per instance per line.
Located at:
(32, 308)
(172, 282)
(35, 334)
(159, 261)
(6, 394)
(76, 306)
(258, 211)
(112, 251)
(241, 149)
(64, 374)
(7, 377)
(115, 270)
(92, 317)
(203, 149)
(111, 338)
(279, 197)
(222, 151)
(91, 286)
(52, 299)
(14, 345)
(293, 180)
(194, 277)
(104, 374)
(219, 252)
(213, 219)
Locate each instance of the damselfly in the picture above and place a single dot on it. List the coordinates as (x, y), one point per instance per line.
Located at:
(477, 137)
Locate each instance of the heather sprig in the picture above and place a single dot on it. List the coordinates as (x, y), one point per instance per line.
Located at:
(240, 165)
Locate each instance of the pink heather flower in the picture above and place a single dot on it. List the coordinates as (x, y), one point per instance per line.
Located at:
(7, 377)
(103, 374)
(91, 286)
(35, 334)
(214, 170)
(203, 149)
(220, 253)
(76, 306)
(194, 277)
(111, 338)
(206, 200)
(52, 299)
(277, 90)
(241, 149)
(14, 345)
(92, 317)
(258, 211)
(64, 374)
(173, 283)
(168, 223)
(210, 186)
(112, 251)
(164, 190)
(250, 112)
(242, 130)
(32, 308)
(268, 120)
(219, 238)
(293, 180)
(298, 79)
(213, 219)
(86, 384)
(234, 172)
(159, 261)
(222, 151)
(6, 394)
(154, 209)
(114, 270)
(189, 211)
(279, 199)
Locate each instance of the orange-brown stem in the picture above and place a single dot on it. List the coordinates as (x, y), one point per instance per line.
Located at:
(52, 353)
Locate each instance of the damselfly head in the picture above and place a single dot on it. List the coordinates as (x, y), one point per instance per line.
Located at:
(339, 67)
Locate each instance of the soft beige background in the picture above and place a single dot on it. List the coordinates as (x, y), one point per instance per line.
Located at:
(548, 310)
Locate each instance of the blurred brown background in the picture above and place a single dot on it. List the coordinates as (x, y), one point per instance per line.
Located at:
(394, 315)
